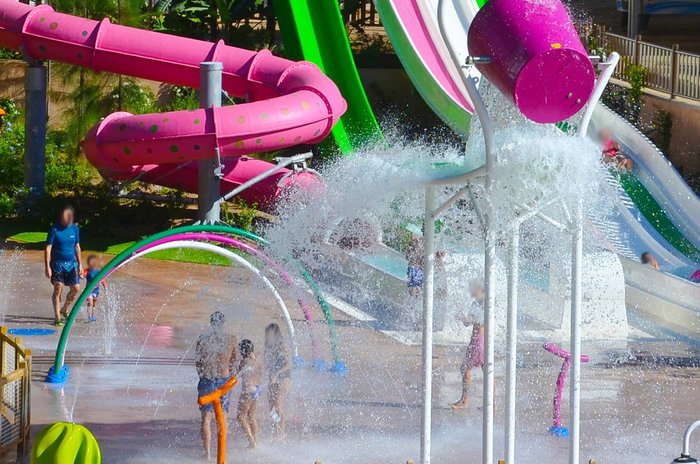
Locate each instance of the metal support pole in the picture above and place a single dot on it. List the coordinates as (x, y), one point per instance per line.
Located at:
(576, 299)
(512, 344)
(209, 206)
(634, 8)
(35, 119)
(429, 274)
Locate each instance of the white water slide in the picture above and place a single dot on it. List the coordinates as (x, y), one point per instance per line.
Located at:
(658, 212)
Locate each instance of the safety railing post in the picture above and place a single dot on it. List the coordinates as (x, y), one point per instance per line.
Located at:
(637, 49)
(674, 69)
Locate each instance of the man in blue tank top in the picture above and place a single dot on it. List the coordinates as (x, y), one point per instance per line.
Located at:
(63, 261)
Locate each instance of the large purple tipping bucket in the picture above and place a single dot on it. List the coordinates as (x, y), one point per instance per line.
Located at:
(537, 59)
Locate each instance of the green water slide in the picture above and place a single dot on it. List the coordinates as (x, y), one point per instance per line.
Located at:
(313, 30)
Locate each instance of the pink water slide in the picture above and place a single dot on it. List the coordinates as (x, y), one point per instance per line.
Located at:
(288, 103)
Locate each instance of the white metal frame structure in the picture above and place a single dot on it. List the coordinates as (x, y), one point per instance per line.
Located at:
(574, 225)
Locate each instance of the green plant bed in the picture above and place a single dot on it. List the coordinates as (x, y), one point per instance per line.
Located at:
(34, 240)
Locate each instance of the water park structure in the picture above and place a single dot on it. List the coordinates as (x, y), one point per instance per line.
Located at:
(452, 50)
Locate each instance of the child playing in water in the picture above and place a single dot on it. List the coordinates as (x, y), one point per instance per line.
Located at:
(249, 373)
(279, 374)
(90, 275)
(474, 356)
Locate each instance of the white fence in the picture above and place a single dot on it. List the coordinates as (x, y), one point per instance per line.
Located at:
(668, 69)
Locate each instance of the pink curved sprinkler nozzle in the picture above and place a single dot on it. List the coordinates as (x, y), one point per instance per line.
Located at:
(557, 429)
(555, 350)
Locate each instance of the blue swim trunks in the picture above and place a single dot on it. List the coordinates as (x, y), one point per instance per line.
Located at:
(415, 277)
(95, 293)
(65, 272)
(206, 386)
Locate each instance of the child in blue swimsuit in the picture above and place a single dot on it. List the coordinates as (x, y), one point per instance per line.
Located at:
(90, 275)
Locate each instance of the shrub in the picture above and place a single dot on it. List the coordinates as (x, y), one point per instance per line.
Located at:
(176, 98)
(7, 205)
(239, 214)
(661, 130)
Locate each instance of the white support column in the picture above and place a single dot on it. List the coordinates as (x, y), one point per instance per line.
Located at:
(428, 281)
(512, 344)
(489, 271)
(606, 71)
(576, 300)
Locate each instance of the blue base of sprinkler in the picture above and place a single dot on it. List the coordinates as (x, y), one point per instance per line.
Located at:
(60, 377)
(339, 369)
(299, 362)
(560, 432)
(320, 365)
(31, 332)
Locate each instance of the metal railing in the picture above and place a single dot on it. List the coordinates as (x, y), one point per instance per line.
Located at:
(15, 390)
(668, 70)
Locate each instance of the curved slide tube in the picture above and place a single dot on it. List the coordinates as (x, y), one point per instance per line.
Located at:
(289, 103)
(234, 258)
(58, 373)
(313, 30)
(413, 29)
(670, 209)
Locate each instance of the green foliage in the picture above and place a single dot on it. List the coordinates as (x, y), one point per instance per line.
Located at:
(245, 36)
(627, 102)
(63, 172)
(7, 205)
(92, 96)
(187, 18)
(636, 76)
(176, 98)
(129, 96)
(371, 50)
(239, 214)
(661, 130)
(127, 12)
(9, 54)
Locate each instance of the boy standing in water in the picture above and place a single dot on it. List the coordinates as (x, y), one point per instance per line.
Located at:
(63, 262)
(216, 356)
(474, 356)
(90, 275)
(250, 375)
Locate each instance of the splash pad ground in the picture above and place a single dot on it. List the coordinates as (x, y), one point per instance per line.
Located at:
(139, 400)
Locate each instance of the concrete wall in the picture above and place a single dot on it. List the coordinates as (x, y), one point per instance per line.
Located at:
(685, 139)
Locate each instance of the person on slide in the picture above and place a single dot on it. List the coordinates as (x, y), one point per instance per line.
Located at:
(648, 258)
(474, 356)
(612, 152)
(63, 261)
(216, 356)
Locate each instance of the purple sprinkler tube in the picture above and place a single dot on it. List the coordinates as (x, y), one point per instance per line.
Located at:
(557, 429)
